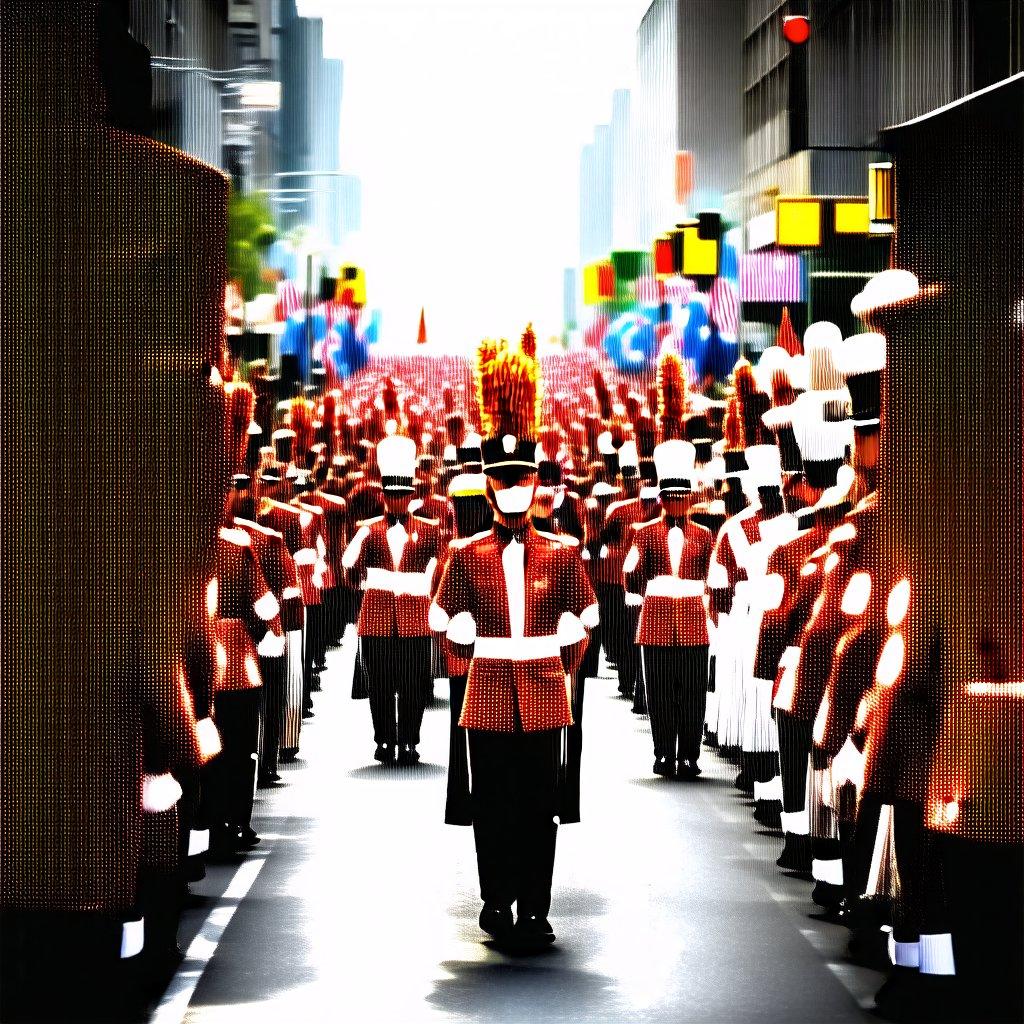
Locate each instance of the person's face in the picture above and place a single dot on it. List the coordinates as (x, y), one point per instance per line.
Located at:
(397, 503)
(512, 495)
(676, 503)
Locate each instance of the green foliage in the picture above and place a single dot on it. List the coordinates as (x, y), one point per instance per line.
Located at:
(251, 232)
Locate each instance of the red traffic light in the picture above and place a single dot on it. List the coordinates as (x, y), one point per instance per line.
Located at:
(796, 29)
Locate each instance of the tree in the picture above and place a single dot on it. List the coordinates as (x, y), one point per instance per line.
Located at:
(251, 232)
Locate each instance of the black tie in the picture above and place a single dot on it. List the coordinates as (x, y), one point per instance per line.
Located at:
(671, 521)
(394, 520)
(505, 534)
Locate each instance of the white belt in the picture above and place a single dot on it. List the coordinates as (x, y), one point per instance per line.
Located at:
(416, 584)
(673, 586)
(517, 648)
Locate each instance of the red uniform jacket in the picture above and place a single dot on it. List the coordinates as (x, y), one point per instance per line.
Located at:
(300, 529)
(475, 609)
(673, 611)
(397, 596)
(248, 613)
(335, 520)
(279, 570)
(617, 538)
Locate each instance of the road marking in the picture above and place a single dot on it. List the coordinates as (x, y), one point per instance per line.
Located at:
(175, 1002)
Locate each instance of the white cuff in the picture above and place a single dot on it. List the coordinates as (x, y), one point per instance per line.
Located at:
(159, 792)
(437, 618)
(906, 954)
(271, 646)
(570, 630)
(462, 629)
(603, 553)
(632, 560)
(133, 938)
(937, 954)
(306, 556)
(290, 593)
(590, 616)
(633, 600)
(796, 822)
(208, 738)
(771, 790)
(768, 592)
(198, 841)
(266, 607)
(828, 871)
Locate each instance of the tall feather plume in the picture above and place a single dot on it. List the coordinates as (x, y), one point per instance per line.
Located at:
(672, 394)
(301, 420)
(782, 388)
(510, 392)
(752, 403)
(241, 405)
(528, 342)
(486, 354)
(732, 425)
(602, 396)
(392, 409)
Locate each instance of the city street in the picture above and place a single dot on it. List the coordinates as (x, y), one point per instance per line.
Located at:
(667, 902)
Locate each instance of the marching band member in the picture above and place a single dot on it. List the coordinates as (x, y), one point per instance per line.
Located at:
(518, 605)
(393, 558)
(665, 574)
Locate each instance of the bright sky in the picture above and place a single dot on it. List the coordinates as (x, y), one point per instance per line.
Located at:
(465, 119)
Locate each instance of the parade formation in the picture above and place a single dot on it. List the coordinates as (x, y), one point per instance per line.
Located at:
(794, 560)
(754, 615)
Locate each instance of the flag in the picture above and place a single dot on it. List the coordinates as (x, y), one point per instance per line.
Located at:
(725, 308)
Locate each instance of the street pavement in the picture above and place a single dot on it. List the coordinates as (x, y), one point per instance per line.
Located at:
(361, 904)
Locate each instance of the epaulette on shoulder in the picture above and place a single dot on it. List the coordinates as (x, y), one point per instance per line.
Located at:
(564, 540)
(238, 537)
(644, 525)
(465, 542)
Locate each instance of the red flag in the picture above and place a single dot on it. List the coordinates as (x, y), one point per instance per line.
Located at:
(421, 338)
(786, 338)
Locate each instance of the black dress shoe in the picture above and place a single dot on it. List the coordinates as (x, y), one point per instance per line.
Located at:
(385, 753)
(408, 755)
(496, 921)
(246, 838)
(688, 770)
(827, 895)
(796, 854)
(663, 766)
(769, 813)
(532, 932)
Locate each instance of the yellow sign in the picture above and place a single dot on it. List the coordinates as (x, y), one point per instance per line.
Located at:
(852, 217)
(700, 256)
(351, 286)
(798, 221)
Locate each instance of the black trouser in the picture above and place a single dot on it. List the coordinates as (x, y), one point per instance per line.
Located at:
(592, 658)
(611, 605)
(920, 903)
(677, 695)
(515, 794)
(984, 895)
(569, 806)
(230, 777)
(317, 619)
(795, 736)
(629, 653)
(397, 667)
(275, 683)
(857, 865)
(457, 803)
